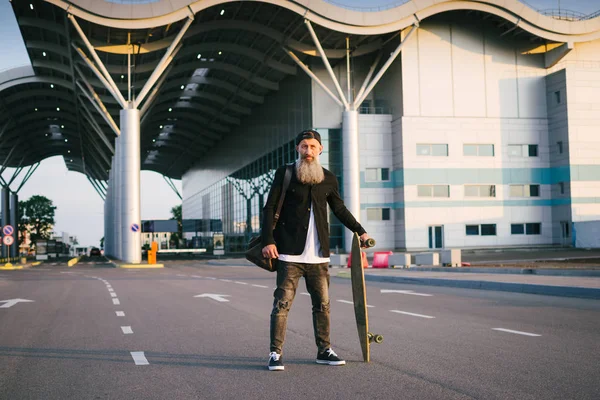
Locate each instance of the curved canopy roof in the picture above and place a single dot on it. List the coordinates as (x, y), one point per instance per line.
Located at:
(232, 56)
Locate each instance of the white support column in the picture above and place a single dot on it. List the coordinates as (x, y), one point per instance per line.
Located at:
(351, 168)
(129, 154)
(107, 206)
(118, 199)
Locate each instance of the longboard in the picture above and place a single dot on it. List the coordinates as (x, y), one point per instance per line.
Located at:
(359, 296)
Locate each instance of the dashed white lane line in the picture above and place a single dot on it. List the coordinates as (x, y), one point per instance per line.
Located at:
(127, 330)
(411, 292)
(305, 294)
(116, 302)
(261, 286)
(515, 332)
(111, 290)
(181, 275)
(351, 302)
(226, 280)
(113, 294)
(240, 283)
(139, 358)
(412, 314)
(120, 313)
(196, 276)
(210, 277)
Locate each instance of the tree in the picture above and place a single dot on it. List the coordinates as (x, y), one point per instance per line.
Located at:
(36, 217)
(177, 214)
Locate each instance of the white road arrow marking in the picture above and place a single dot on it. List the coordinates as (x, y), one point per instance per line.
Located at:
(405, 292)
(217, 297)
(12, 302)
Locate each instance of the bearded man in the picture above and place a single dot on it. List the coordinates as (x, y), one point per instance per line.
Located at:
(300, 243)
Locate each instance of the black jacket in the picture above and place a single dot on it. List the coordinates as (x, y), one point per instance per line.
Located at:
(290, 233)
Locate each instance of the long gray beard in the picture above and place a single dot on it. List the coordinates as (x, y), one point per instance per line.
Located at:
(309, 173)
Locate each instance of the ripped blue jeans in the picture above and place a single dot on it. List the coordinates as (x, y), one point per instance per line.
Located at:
(317, 285)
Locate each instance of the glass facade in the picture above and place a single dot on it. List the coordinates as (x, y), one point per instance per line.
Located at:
(234, 205)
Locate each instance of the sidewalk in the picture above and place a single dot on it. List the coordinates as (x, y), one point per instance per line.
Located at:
(583, 283)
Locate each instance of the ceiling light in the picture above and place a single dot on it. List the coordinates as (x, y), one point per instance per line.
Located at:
(153, 140)
(57, 108)
(71, 160)
(161, 127)
(69, 151)
(170, 109)
(66, 140)
(62, 126)
(182, 87)
(31, 6)
(35, 109)
(222, 12)
(220, 53)
(122, 76)
(199, 56)
(44, 53)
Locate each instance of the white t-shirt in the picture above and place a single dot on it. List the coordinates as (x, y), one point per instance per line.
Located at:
(312, 249)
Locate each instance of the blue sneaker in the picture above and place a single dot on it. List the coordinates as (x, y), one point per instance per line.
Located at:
(275, 363)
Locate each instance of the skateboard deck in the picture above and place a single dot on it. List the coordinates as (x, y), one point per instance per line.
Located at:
(359, 296)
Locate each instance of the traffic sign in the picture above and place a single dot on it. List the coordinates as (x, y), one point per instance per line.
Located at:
(135, 227)
(8, 229)
(8, 240)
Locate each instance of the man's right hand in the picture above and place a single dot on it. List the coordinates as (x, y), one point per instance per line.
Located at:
(270, 251)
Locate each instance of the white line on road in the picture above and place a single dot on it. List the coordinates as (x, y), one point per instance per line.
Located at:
(181, 275)
(116, 302)
(113, 294)
(413, 314)
(261, 286)
(139, 358)
(196, 276)
(405, 292)
(120, 313)
(515, 332)
(351, 302)
(111, 289)
(210, 277)
(225, 280)
(240, 283)
(127, 330)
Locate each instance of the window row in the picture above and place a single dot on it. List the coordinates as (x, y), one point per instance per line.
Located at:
(482, 150)
(481, 190)
(530, 228)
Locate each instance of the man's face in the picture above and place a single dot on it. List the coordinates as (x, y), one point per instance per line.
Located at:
(309, 149)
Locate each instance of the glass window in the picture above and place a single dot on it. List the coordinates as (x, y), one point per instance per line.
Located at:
(385, 214)
(486, 150)
(385, 174)
(533, 150)
(424, 190)
(488, 229)
(533, 228)
(423, 150)
(557, 96)
(517, 229)
(374, 214)
(516, 190)
(488, 191)
(439, 149)
(470, 149)
(560, 147)
(471, 191)
(561, 187)
(472, 230)
(371, 174)
(534, 190)
(441, 191)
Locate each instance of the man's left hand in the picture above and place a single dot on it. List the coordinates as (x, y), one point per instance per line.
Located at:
(363, 238)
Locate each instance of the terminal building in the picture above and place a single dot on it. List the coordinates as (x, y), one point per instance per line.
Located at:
(450, 124)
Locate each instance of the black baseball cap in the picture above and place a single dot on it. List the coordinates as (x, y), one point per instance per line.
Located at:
(308, 134)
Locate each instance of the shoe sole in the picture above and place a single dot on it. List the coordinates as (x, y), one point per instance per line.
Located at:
(324, 362)
(281, 368)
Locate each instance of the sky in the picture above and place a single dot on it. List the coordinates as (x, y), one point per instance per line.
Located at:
(80, 210)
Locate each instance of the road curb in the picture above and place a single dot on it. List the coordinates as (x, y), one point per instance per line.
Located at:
(515, 271)
(548, 290)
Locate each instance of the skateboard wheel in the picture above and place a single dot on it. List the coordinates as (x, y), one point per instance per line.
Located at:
(378, 339)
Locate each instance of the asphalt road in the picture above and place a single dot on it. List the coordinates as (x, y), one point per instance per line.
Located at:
(91, 332)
